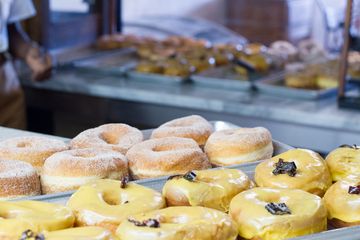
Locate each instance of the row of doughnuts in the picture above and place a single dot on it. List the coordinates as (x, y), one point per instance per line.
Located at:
(118, 151)
(195, 205)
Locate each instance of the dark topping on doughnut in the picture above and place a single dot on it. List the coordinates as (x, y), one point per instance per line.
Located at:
(354, 189)
(27, 234)
(190, 176)
(124, 182)
(40, 236)
(174, 177)
(282, 167)
(126, 202)
(277, 208)
(153, 223)
(354, 146)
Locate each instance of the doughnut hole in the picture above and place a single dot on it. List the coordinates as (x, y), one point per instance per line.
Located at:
(84, 154)
(110, 137)
(163, 148)
(114, 199)
(24, 144)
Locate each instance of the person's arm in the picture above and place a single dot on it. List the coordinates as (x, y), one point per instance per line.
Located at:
(20, 46)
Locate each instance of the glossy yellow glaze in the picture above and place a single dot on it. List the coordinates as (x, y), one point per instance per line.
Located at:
(181, 223)
(308, 214)
(104, 203)
(312, 172)
(81, 233)
(16, 217)
(342, 205)
(211, 188)
(343, 162)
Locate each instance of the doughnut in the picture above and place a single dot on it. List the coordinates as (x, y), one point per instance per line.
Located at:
(175, 223)
(18, 179)
(195, 127)
(17, 217)
(310, 51)
(32, 149)
(88, 233)
(208, 188)
(284, 50)
(116, 136)
(106, 203)
(295, 169)
(165, 156)
(241, 145)
(68, 170)
(343, 161)
(276, 214)
(342, 201)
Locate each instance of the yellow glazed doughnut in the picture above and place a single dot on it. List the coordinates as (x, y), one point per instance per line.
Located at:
(106, 204)
(194, 127)
(308, 171)
(275, 214)
(16, 217)
(80, 233)
(33, 149)
(239, 145)
(18, 179)
(178, 223)
(343, 162)
(166, 156)
(342, 201)
(116, 136)
(68, 170)
(208, 188)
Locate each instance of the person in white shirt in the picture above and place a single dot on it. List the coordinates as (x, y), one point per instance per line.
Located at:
(14, 43)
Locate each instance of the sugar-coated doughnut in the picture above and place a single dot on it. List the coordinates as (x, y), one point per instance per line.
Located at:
(296, 169)
(68, 170)
(106, 203)
(343, 161)
(276, 214)
(18, 179)
(165, 156)
(195, 127)
(240, 145)
(175, 223)
(342, 201)
(17, 217)
(32, 149)
(213, 188)
(116, 136)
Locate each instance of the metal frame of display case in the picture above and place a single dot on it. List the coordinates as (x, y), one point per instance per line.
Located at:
(344, 99)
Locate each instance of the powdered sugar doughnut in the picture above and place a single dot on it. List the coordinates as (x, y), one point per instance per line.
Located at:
(166, 156)
(68, 170)
(32, 149)
(195, 127)
(116, 136)
(18, 179)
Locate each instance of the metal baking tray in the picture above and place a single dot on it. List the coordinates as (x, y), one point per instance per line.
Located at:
(154, 78)
(350, 233)
(276, 86)
(156, 183)
(115, 63)
(224, 77)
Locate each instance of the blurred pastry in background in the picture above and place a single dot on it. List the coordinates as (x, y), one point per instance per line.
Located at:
(298, 76)
(310, 51)
(146, 66)
(327, 74)
(282, 52)
(354, 64)
(176, 68)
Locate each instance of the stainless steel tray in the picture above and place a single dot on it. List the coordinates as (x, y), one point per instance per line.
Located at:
(221, 77)
(154, 78)
(115, 63)
(351, 233)
(217, 125)
(276, 86)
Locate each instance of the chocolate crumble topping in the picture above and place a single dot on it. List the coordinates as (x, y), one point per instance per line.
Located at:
(190, 176)
(282, 167)
(124, 182)
(354, 189)
(277, 208)
(153, 223)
